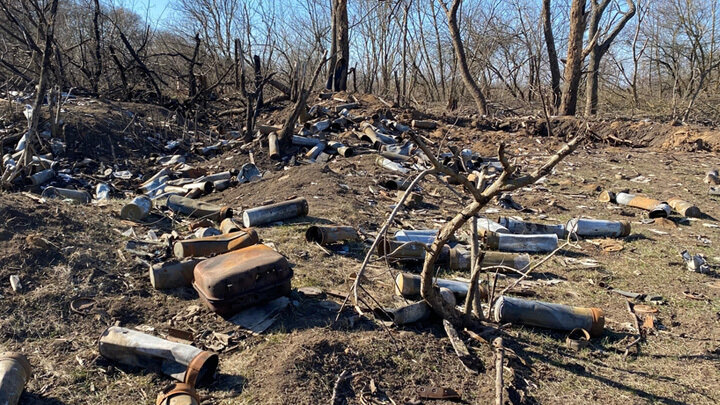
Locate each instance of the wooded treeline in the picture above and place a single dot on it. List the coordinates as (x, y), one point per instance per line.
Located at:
(625, 57)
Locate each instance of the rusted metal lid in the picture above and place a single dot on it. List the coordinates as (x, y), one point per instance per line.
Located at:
(178, 394)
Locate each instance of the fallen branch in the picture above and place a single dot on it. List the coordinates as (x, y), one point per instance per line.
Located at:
(499, 360)
(344, 376)
(459, 346)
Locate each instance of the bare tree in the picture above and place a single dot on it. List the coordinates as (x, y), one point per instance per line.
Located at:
(339, 47)
(470, 83)
(573, 66)
(598, 48)
(552, 53)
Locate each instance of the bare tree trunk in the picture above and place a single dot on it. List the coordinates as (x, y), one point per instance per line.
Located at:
(258, 81)
(599, 48)
(339, 48)
(552, 53)
(98, 54)
(192, 81)
(573, 67)
(237, 63)
(470, 82)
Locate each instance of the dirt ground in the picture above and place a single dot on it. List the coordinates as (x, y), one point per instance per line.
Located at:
(64, 253)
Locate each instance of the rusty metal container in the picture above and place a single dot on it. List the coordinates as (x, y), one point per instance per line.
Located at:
(178, 394)
(215, 244)
(173, 273)
(685, 208)
(177, 360)
(273, 146)
(658, 209)
(245, 277)
(275, 212)
(15, 373)
(547, 315)
(326, 235)
(230, 225)
(198, 209)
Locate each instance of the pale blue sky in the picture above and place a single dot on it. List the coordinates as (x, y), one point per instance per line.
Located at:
(154, 10)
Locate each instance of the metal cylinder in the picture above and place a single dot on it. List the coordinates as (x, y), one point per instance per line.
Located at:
(342, 150)
(15, 372)
(426, 236)
(521, 227)
(153, 182)
(226, 175)
(44, 162)
(321, 125)
(178, 394)
(547, 315)
(220, 185)
(408, 285)
(205, 187)
(594, 228)
(273, 146)
(102, 191)
(315, 151)
(658, 209)
(198, 209)
(492, 226)
(685, 208)
(215, 244)
(395, 184)
(267, 129)
(42, 177)
(305, 141)
(395, 157)
(204, 232)
(415, 312)
(460, 260)
(424, 124)
(275, 212)
(390, 165)
(230, 225)
(137, 209)
(409, 251)
(138, 349)
(173, 273)
(326, 235)
(506, 242)
(78, 196)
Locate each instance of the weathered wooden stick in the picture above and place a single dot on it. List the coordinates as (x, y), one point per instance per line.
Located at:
(499, 360)
(460, 349)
